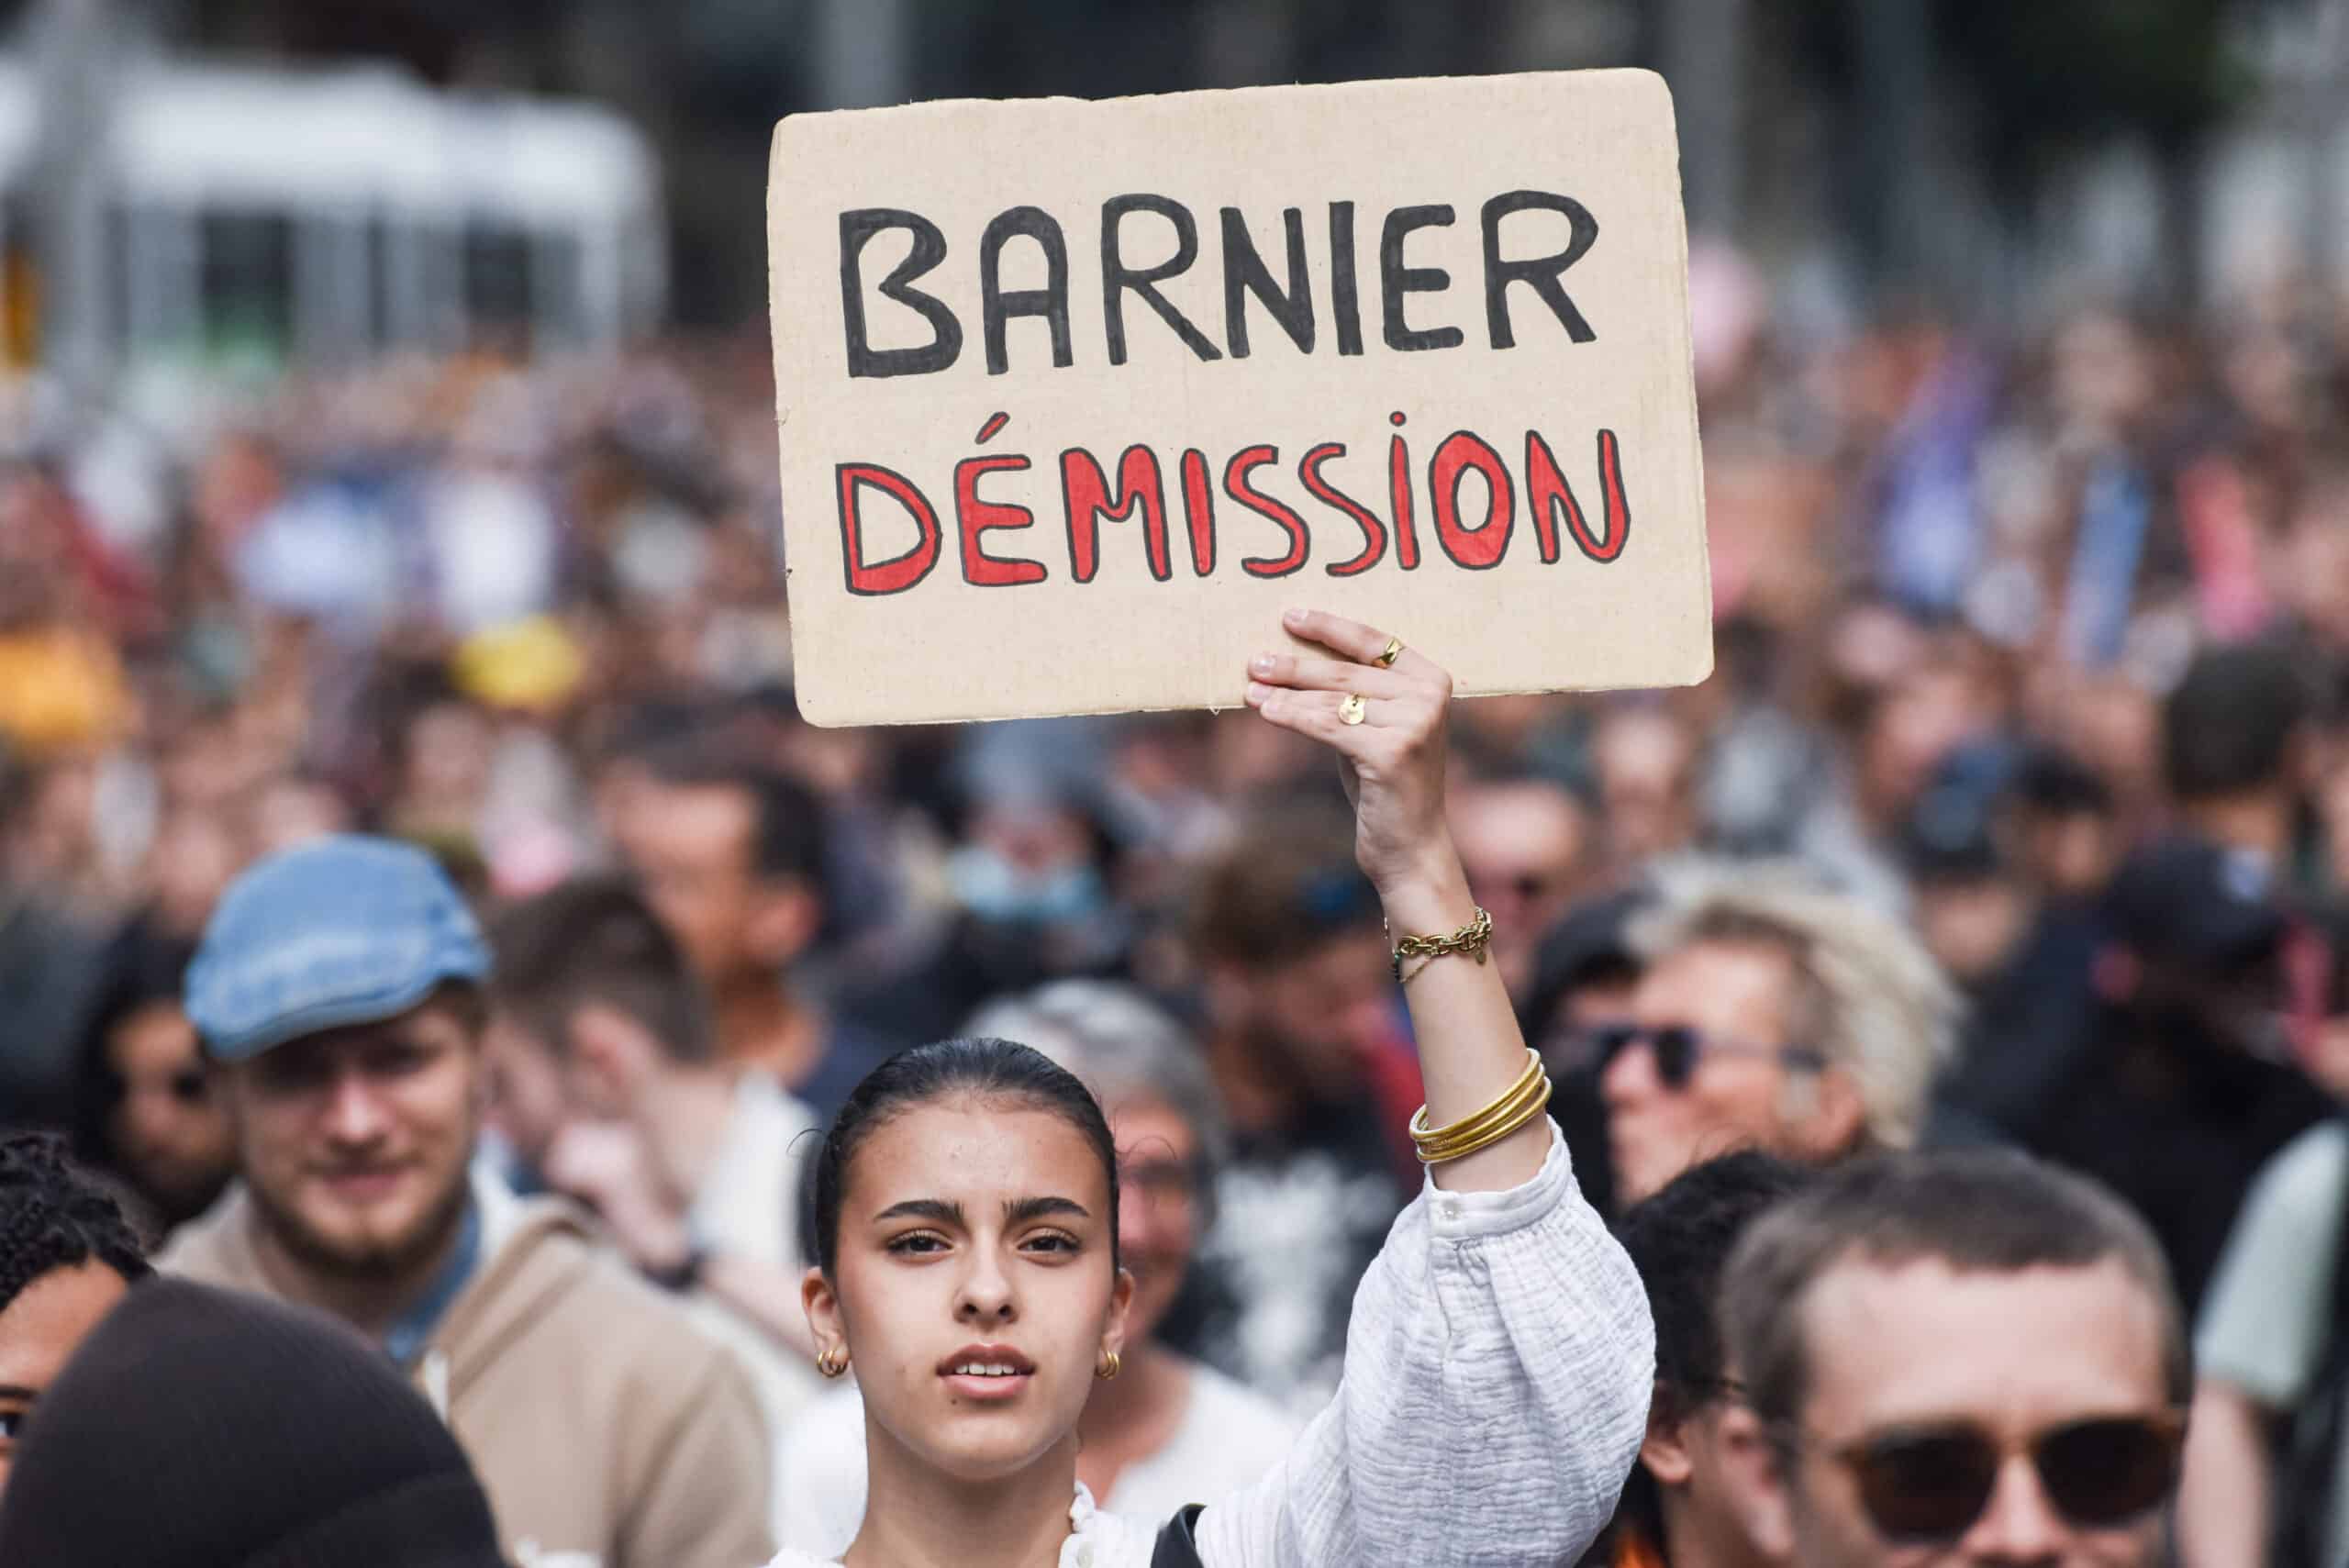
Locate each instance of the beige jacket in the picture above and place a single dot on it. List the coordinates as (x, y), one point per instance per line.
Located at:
(608, 1432)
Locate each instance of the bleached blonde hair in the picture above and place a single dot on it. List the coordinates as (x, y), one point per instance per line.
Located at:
(1869, 998)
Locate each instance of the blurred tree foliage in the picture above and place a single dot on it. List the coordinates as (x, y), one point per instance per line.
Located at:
(2045, 79)
(2053, 76)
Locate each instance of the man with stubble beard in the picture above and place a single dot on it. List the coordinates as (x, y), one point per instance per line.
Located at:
(1307, 1055)
(339, 995)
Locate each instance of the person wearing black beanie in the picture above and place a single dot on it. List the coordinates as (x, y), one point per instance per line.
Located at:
(196, 1429)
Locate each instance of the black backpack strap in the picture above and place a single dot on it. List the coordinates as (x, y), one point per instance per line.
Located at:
(1179, 1543)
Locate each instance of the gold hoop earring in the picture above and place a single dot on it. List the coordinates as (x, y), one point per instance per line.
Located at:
(1107, 1368)
(833, 1362)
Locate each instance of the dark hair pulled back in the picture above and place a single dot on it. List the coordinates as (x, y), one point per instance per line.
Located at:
(997, 1070)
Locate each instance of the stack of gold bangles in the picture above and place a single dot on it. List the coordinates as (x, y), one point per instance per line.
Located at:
(1518, 1105)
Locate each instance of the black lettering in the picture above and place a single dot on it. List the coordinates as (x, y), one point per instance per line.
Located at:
(1395, 279)
(1051, 302)
(1244, 274)
(861, 224)
(1346, 302)
(1541, 274)
(1118, 279)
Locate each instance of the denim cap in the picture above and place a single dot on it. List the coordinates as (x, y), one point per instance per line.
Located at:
(337, 931)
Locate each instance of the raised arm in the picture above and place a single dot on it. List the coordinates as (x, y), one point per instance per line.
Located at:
(1393, 763)
(1500, 1354)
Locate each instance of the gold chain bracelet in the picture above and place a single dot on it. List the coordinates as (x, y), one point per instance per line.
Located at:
(1471, 938)
(1515, 1107)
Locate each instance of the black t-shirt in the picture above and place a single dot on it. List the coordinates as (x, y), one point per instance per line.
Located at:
(1300, 1215)
(2178, 1124)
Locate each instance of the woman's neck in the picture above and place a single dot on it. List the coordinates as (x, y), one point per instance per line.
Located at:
(915, 1517)
(1131, 1417)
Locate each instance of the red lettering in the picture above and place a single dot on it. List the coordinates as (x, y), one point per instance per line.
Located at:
(1619, 505)
(1235, 484)
(1199, 511)
(1545, 488)
(900, 572)
(1478, 548)
(1399, 487)
(1374, 532)
(1087, 501)
(975, 516)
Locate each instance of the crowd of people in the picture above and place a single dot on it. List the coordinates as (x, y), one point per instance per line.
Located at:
(420, 902)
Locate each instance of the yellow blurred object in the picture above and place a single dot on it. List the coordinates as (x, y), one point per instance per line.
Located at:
(532, 664)
(60, 688)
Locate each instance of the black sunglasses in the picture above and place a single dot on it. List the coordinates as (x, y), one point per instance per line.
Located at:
(1677, 1047)
(1930, 1484)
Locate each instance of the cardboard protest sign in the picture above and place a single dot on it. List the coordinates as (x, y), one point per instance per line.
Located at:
(1076, 397)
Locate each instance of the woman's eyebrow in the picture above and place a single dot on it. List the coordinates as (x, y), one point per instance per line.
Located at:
(1018, 1211)
(937, 1210)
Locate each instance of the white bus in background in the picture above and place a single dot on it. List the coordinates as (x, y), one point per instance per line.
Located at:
(321, 217)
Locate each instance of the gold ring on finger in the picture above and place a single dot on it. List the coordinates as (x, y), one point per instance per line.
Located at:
(1394, 651)
(1350, 710)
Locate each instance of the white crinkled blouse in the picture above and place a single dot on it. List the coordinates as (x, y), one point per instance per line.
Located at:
(1498, 1362)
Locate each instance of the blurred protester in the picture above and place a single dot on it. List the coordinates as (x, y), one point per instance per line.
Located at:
(146, 1112)
(2267, 1471)
(2067, 827)
(1646, 762)
(2021, 960)
(2332, 798)
(591, 990)
(294, 808)
(1680, 1508)
(1030, 892)
(1773, 1015)
(65, 595)
(2236, 751)
(1304, 1048)
(199, 1428)
(692, 1165)
(2311, 570)
(1585, 977)
(732, 855)
(1967, 1358)
(1167, 1432)
(66, 1257)
(1587, 973)
(50, 955)
(1530, 847)
(1925, 715)
(2190, 1054)
(339, 988)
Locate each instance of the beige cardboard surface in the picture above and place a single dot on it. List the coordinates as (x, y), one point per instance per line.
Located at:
(928, 266)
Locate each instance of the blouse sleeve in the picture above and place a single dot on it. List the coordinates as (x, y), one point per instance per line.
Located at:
(1498, 1364)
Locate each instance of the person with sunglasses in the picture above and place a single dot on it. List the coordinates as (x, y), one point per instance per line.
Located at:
(1774, 1014)
(1529, 848)
(1967, 1358)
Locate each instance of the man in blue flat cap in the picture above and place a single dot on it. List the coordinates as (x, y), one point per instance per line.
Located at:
(338, 993)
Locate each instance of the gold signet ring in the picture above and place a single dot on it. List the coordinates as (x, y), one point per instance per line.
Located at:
(1394, 651)
(1349, 710)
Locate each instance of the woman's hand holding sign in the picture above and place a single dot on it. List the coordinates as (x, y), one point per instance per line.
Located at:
(1382, 708)
(1390, 747)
